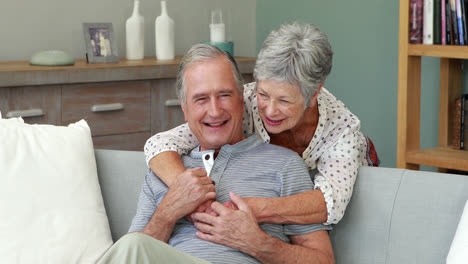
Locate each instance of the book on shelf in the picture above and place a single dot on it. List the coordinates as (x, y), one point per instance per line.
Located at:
(463, 15)
(416, 21)
(464, 121)
(428, 22)
(453, 13)
(437, 22)
(456, 123)
(448, 23)
(443, 33)
(461, 33)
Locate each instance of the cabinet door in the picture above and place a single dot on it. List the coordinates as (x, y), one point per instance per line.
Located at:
(36, 104)
(110, 108)
(166, 112)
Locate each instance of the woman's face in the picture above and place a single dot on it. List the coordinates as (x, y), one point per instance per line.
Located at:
(280, 105)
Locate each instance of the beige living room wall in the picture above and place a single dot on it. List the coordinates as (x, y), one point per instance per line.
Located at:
(28, 26)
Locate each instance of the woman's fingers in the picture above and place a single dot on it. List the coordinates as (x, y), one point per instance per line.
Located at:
(239, 202)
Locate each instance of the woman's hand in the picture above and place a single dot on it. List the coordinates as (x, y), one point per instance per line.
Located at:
(206, 208)
(233, 228)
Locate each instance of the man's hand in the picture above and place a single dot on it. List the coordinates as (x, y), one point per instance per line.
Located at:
(233, 228)
(190, 190)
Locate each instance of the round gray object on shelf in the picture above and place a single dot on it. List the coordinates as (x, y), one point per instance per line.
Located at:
(52, 58)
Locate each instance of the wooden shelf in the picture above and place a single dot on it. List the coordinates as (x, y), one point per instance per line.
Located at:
(409, 152)
(440, 51)
(440, 157)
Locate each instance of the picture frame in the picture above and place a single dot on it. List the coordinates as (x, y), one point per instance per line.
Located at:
(101, 46)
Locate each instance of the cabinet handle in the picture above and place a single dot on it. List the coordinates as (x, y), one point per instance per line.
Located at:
(172, 102)
(25, 113)
(107, 107)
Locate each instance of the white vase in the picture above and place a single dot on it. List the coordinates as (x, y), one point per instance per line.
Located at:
(135, 34)
(164, 33)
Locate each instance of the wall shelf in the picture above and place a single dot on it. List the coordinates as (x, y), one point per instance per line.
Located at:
(440, 157)
(441, 51)
(409, 153)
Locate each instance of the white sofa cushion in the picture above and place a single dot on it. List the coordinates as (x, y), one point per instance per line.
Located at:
(51, 208)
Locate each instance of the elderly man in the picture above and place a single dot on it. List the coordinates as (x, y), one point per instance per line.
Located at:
(210, 90)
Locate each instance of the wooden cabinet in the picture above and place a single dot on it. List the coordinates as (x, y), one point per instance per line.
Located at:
(124, 103)
(37, 104)
(110, 108)
(166, 108)
(409, 153)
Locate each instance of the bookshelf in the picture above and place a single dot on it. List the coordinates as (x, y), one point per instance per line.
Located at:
(409, 153)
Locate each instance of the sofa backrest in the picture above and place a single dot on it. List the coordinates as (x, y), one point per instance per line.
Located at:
(400, 216)
(121, 174)
(363, 233)
(395, 215)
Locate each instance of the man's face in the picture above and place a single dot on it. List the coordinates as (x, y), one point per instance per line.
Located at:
(214, 106)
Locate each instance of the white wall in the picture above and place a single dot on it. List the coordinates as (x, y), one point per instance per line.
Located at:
(28, 26)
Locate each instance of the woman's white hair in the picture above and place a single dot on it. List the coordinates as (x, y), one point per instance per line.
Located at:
(299, 54)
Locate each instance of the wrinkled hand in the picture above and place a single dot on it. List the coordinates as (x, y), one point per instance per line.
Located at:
(206, 208)
(203, 208)
(231, 205)
(233, 228)
(190, 190)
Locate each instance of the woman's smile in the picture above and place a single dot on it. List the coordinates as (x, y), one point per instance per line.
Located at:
(273, 122)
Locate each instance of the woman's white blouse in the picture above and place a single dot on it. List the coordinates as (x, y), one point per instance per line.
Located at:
(337, 148)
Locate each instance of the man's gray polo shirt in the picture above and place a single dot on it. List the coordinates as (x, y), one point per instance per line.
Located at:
(249, 168)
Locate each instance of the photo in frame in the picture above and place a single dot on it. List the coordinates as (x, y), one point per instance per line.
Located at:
(100, 43)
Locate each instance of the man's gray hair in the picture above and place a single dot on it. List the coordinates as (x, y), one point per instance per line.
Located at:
(298, 54)
(203, 52)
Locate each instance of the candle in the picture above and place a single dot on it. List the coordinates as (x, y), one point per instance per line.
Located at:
(217, 32)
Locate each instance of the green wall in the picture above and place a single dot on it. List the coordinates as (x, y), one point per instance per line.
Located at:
(364, 37)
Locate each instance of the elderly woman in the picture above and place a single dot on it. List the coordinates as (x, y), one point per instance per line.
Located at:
(288, 106)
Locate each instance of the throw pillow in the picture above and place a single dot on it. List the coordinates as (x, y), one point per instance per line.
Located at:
(458, 253)
(51, 207)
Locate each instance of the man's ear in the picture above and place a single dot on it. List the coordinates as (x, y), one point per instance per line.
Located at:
(183, 110)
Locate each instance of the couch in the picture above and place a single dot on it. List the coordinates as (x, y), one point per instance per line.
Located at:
(395, 215)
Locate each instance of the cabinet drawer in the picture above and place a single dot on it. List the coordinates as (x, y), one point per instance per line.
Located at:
(109, 108)
(36, 104)
(132, 141)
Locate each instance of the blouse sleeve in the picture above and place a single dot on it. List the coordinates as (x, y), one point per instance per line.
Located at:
(338, 167)
(181, 140)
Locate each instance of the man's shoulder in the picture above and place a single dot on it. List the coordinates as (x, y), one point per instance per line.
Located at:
(275, 150)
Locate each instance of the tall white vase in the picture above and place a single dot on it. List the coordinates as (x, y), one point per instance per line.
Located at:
(164, 32)
(135, 34)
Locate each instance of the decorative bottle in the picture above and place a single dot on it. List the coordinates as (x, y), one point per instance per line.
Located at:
(135, 34)
(164, 33)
